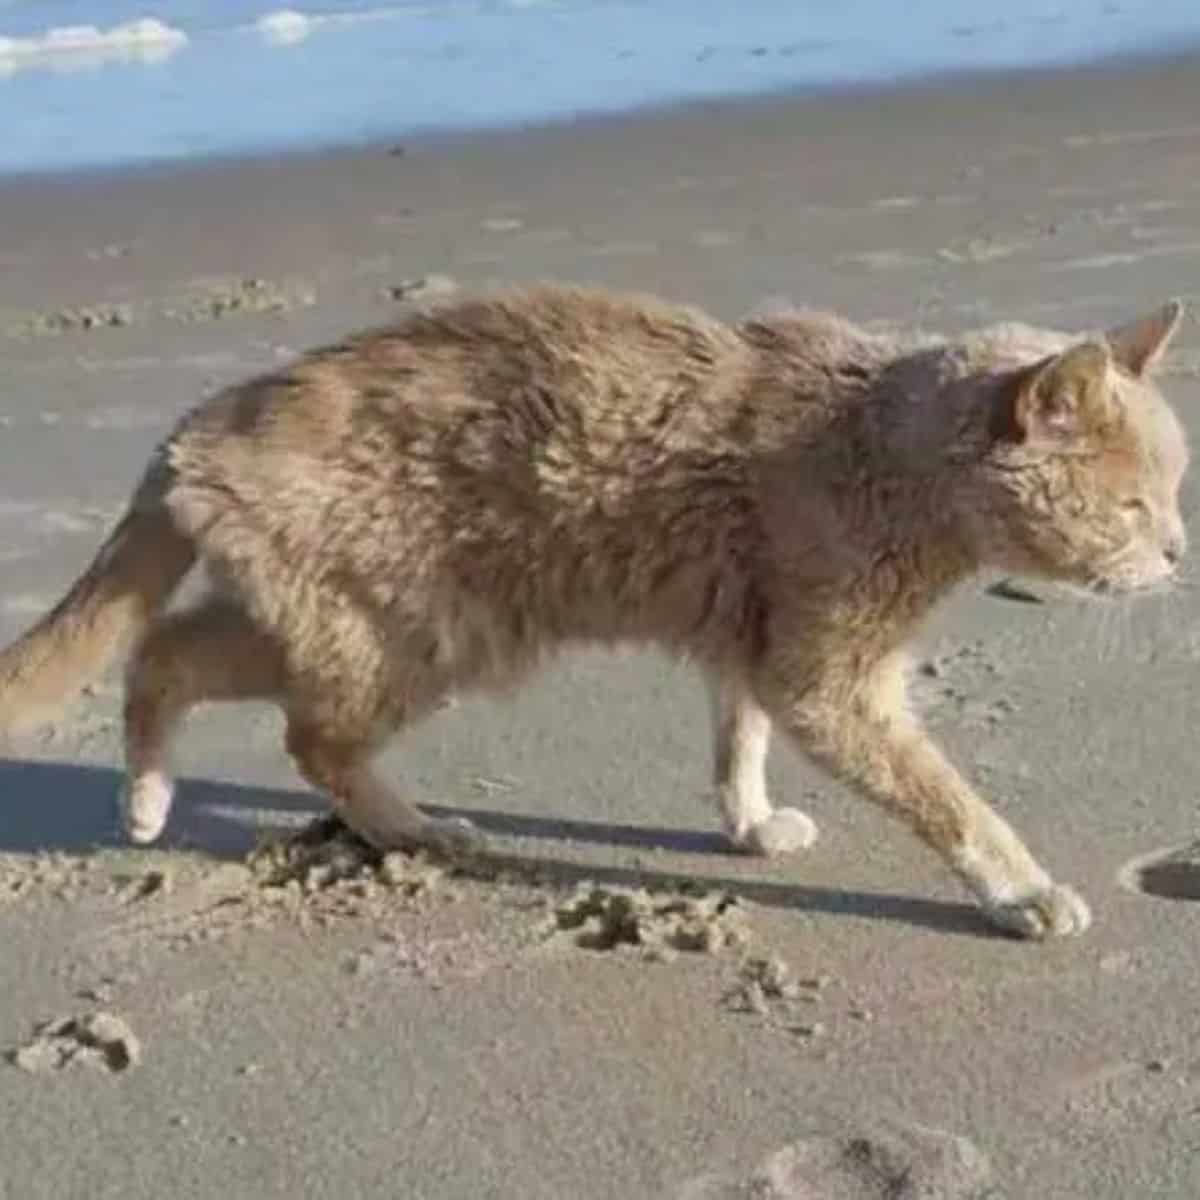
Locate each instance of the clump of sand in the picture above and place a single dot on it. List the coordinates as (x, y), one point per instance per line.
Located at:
(251, 295)
(660, 924)
(326, 853)
(147, 885)
(63, 876)
(98, 1039)
(70, 320)
(768, 987)
(423, 287)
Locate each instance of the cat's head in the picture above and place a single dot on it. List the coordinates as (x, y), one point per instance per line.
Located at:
(1081, 480)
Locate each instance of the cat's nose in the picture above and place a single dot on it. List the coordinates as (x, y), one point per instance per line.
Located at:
(1174, 549)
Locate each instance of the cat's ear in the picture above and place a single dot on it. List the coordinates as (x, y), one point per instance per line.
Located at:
(1139, 345)
(1056, 401)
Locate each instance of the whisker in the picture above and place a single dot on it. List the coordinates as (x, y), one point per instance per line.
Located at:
(1097, 624)
(1134, 624)
(1116, 629)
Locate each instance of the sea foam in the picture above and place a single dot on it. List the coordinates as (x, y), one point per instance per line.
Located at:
(285, 27)
(71, 47)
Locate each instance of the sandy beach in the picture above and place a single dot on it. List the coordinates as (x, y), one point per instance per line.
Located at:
(528, 1029)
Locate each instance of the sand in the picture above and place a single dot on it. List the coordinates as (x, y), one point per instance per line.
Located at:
(612, 1005)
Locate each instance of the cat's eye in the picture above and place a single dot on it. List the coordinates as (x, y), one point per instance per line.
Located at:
(1135, 506)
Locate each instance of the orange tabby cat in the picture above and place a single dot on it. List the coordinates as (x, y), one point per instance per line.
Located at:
(435, 506)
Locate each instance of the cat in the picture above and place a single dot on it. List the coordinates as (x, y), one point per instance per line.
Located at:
(437, 505)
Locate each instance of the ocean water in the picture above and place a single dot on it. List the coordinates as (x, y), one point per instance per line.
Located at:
(101, 83)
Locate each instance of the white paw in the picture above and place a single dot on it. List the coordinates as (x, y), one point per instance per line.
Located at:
(453, 838)
(785, 831)
(1053, 911)
(146, 805)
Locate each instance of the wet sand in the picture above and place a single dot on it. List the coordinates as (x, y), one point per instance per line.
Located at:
(560, 1023)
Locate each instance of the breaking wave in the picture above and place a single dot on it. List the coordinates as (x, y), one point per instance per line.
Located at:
(72, 47)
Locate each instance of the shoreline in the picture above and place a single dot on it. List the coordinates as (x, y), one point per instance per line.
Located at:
(792, 186)
(972, 82)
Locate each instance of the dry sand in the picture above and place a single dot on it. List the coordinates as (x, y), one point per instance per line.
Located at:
(589, 1015)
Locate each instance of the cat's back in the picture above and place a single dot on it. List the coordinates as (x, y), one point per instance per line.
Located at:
(548, 362)
(532, 382)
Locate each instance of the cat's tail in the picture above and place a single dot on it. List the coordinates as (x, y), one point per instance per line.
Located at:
(132, 576)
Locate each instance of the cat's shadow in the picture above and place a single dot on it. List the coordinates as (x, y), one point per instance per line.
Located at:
(71, 808)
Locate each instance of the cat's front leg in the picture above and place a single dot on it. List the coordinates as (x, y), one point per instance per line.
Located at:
(741, 732)
(861, 730)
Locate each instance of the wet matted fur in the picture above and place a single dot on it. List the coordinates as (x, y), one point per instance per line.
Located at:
(435, 506)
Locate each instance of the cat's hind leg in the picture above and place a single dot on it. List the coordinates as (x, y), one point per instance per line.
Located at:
(741, 732)
(211, 652)
(338, 762)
